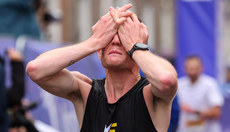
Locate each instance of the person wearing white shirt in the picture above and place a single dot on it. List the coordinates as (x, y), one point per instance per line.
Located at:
(199, 98)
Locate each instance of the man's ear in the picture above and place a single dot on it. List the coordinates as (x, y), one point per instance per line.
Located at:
(99, 52)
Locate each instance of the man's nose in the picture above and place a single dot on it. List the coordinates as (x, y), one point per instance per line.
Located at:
(116, 40)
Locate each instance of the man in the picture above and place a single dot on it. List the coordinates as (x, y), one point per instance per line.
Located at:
(200, 99)
(123, 101)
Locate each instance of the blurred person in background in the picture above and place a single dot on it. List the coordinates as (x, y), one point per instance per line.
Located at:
(199, 98)
(123, 101)
(17, 120)
(3, 106)
(46, 18)
(18, 17)
(16, 92)
(27, 18)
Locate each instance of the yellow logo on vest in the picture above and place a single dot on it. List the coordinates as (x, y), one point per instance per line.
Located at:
(111, 127)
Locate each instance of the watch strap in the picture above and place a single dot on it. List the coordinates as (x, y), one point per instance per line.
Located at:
(136, 47)
(131, 51)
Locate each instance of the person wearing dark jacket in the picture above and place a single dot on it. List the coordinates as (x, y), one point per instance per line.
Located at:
(14, 94)
(3, 108)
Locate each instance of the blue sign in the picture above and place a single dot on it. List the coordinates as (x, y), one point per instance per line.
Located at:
(196, 33)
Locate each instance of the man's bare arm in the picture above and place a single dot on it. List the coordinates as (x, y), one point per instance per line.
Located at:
(48, 70)
(159, 72)
(212, 113)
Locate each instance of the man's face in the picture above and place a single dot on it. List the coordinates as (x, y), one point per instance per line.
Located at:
(115, 55)
(193, 68)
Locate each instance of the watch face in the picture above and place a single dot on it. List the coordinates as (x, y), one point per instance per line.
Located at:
(142, 46)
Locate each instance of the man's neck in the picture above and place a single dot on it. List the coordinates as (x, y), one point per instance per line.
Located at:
(194, 79)
(119, 83)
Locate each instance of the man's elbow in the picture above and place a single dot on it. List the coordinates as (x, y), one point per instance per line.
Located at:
(32, 71)
(168, 82)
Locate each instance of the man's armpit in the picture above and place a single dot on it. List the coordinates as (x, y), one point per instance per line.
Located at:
(75, 95)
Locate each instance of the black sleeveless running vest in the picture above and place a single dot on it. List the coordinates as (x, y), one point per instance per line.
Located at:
(128, 114)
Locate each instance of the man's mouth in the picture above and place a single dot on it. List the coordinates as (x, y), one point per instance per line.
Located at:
(114, 52)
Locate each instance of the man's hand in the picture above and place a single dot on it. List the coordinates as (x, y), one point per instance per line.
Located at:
(14, 55)
(187, 108)
(132, 31)
(119, 15)
(106, 28)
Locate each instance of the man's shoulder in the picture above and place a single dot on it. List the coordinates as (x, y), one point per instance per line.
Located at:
(98, 84)
(99, 81)
(207, 77)
(183, 80)
(143, 82)
(209, 80)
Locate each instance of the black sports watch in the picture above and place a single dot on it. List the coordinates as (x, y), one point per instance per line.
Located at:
(138, 46)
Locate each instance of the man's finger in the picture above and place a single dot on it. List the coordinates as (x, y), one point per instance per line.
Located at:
(129, 19)
(121, 20)
(115, 26)
(135, 18)
(126, 14)
(114, 14)
(145, 27)
(125, 7)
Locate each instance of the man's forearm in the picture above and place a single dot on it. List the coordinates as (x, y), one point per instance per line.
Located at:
(213, 113)
(159, 72)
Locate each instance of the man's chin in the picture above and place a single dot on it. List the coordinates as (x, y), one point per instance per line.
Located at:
(113, 64)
